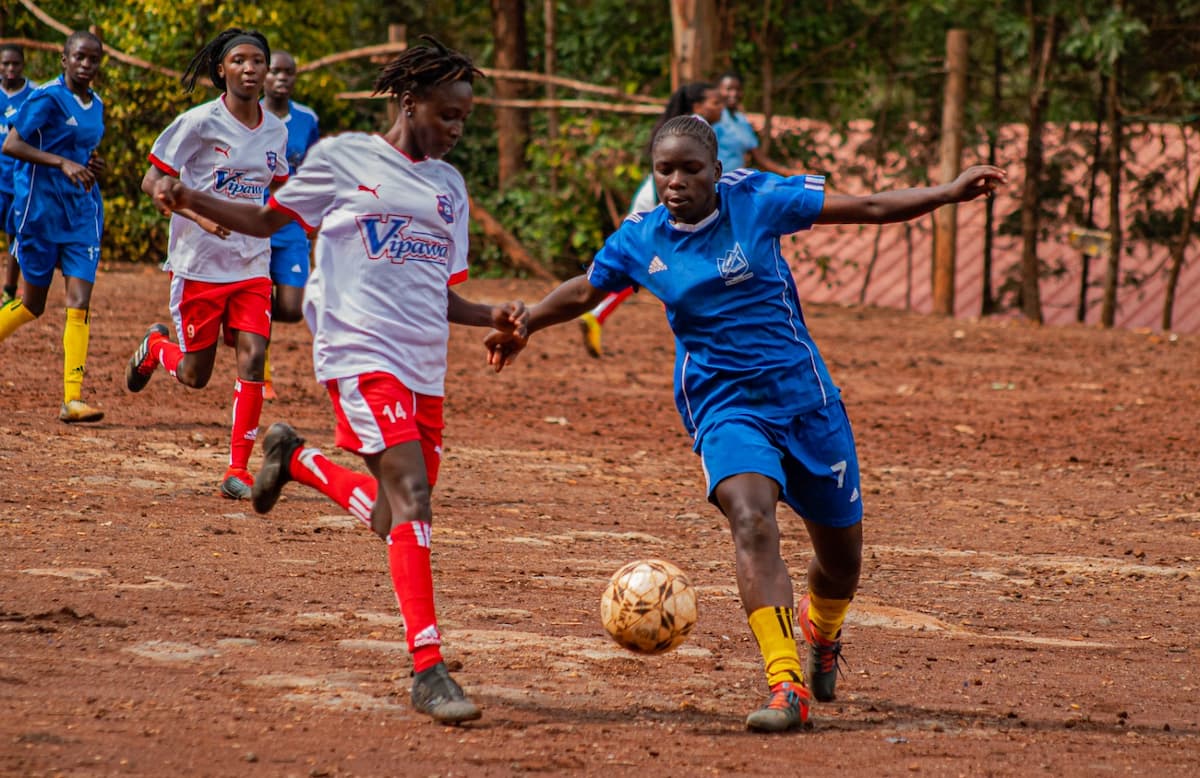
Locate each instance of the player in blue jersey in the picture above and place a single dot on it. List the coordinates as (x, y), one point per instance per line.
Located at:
(736, 138)
(289, 246)
(700, 98)
(750, 385)
(14, 90)
(57, 214)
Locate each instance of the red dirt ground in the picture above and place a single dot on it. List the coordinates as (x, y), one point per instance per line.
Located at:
(1029, 603)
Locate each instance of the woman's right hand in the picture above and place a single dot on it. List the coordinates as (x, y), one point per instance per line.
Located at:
(83, 177)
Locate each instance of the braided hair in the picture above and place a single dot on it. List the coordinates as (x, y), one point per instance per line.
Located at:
(212, 54)
(421, 68)
(689, 127)
(681, 103)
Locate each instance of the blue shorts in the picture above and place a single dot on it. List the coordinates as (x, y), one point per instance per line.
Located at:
(38, 257)
(289, 264)
(811, 457)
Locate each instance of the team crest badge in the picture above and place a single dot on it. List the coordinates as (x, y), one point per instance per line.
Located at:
(272, 161)
(444, 209)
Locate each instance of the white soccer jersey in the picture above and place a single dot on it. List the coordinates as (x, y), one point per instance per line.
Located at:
(209, 150)
(393, 238)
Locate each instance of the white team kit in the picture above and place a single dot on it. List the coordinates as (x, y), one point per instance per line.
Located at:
(393, 238)
(211, 151)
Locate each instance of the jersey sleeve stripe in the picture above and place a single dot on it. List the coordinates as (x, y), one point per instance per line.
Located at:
(278, 206)
(163, 166)
(457, 278)
(281, 179)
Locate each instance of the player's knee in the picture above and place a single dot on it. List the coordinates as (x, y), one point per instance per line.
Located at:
(284, 314)
(754, 529)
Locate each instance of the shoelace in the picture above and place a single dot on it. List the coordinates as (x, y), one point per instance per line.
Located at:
(830, 655)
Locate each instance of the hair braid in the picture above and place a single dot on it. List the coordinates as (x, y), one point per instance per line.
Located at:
(688, 127)
(420, 68)
(208, 58)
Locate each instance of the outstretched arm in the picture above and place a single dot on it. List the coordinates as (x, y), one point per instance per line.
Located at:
(904, 204)
(565, 303)
(259, 221)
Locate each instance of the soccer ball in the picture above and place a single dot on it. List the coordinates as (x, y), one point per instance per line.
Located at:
(649, 606)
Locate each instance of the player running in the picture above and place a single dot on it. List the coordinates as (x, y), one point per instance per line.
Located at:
(750, 385)
(58, 214)
(289, 246)
(233, 149)
(15, 89)
(393, 239)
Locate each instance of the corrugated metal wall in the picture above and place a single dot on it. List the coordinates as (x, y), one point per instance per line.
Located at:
(831, 262)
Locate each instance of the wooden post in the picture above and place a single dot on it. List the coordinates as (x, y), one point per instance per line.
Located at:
(692, 24)
(396, 34)
(945, 219)
(549, 42)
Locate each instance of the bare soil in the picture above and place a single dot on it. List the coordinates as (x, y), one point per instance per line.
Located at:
(1029, 603)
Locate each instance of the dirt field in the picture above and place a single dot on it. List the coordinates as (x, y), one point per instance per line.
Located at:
(1029, 602)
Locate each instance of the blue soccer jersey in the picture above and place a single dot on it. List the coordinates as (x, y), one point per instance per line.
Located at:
(741, 345)
(301, 123)
(46, 203)
(9, 105)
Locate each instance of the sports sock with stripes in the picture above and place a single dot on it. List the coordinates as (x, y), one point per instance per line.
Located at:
(13, 314)
(773, 629)
(826, 615)
(75, 348)
(247, 408)
(412, 577)
(168, 354)
(352, 490)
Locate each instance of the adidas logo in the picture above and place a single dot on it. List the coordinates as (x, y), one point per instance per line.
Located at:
(71, 122)
(657, 266)
(295, 268)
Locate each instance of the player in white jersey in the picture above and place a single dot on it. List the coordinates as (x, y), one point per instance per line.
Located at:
(220, 281)
(750, 385)
(392, 240)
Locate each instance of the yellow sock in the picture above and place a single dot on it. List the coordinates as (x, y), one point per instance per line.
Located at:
(75, 346)
(772, 628)
(826, 615)
(12, 315)
(267, 365)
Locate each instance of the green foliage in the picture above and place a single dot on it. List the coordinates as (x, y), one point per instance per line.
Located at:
(562, 205)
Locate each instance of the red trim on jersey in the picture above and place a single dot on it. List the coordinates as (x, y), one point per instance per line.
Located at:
(163, 166)
(280, 179)
(400, 152)
(262, 117)
(457, 278)
(278, 206)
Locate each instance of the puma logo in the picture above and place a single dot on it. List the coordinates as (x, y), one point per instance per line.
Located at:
(222, 151)
(374, 191)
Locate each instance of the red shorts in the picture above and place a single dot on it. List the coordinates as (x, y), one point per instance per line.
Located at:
(202, 309)
(376, 411)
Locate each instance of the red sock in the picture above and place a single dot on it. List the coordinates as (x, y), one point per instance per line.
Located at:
(412, 576)
(610, 303)
(247, 408)
(168, 354)
(352, 490)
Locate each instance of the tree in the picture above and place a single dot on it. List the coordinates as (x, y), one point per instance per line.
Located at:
(1043, 44)
(512, 124)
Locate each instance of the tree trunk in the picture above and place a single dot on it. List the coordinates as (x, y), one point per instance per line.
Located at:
(1112, 276)
(549, 41)
(1179, 248)
(945, 219)
(1085, 265)
(512, 124)
(988, 303)
(1040, 60)
(692, 25)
